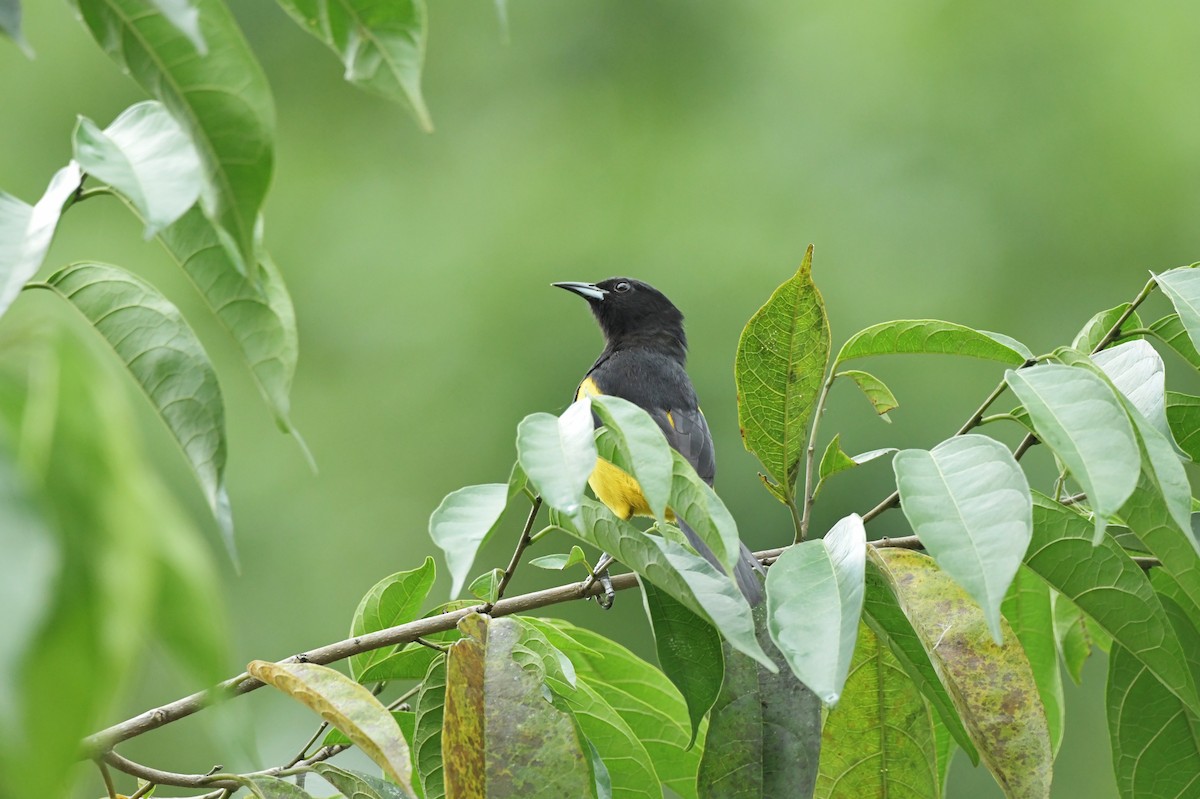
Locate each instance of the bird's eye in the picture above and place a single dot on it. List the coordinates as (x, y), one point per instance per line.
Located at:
(622, 287)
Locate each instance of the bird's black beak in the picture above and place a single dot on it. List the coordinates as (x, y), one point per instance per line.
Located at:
(589, 291)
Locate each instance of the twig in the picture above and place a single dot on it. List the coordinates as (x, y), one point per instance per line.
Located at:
(522, 543)
(303, 753)
(108, 783)
(180, 780)
(431, 645)
(810, 456)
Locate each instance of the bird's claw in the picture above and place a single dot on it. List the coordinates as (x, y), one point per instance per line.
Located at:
(605, 600)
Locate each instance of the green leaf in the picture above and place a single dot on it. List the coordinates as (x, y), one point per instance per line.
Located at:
(944, 743)
(694, 501)
(427, 737)
(779, 368)
(357, 785)
(499, 734)
(1087, 339)
(641, 448)
(883, 614)
(1071, 635)
(1172, 333)
(221, 99)
(558, 562)
(146, 156)
(487, 585)
(991, 684)
(10, 25)
(558, 454)
(1182, 287)
(1110, 588)
(1183, 415)
(933, 337)
(880, 396)
(836, 460)
(689, 652)
(382, 45)
(879, 740)
(254, 309)
(396, 599)
(465, 520)
(1028, 610)
(968, 500)
(814, 600)
(1137, 371)
(1155, 744)
(1076, 414)
(347, 706)
(27, 230)
(682, 574)
(168, 362)
(264, 786)
(764, 733)
(184, 15)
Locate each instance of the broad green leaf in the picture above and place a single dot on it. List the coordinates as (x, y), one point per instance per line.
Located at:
(1077, 415)
(1028, 610)
(427, 737)
(168, 362)
(500, 737)
(1071, 634)
(254, 309)
(883, 614)
(694, 501)
(382, 45)
(464, 521)
(10, 25)
(689, 652)
(221, 99)
(944, 744)
(836, 460)
(814, 600)
(933, 337)
(347, 706)
(990, 683)
(396, 599)
(411, 661)
(1155, 740)
(357, 785)
(1182, 287)
(880, 396)
(1183, 414)
(1111, 589)
(1088, 338)
(641, 447)
(639, 693)
(1137, 371)
(264, 786)
(184, 15)
(558, 454)
(968, 500)
(879, 740)
(682, 574)
(1172, 333)
(558, 562)
(27, 230)
(764, 731)
(146, 156)
(779, 368)
(487, 585)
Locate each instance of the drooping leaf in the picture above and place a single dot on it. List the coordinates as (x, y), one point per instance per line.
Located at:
(1071, 635)
(382, 45)
(146, 156)
(1111, 589)
(221, 99)
(427, 737)
(1078, 416)
(1137, 371)
(465, 520)
(1092, 333)
(558, 562)
(500, 737)
(933, 337)
(558, 454)
(395, 599)
(264, 786)
(684, 575)
(969, 502)
(1028, 610)
(879, 740)
(168, 362)
(347, 706)
(836, 460)
(27, 230)
(779, 368)
(880, 396)
(487, 585)
(357, 785)
(1183, 415)
(10, 25)
(689, 652)
(814, 600)
(991, 684)
(641, 447)
(764, 731)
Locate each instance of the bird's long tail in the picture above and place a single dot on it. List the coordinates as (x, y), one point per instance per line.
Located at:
(747, 571)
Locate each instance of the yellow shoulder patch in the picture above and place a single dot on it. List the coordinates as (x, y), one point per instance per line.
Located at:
(588, 388)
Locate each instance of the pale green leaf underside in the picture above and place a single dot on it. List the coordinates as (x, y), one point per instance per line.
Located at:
(558, 454)
(27, 230)
(462, 523)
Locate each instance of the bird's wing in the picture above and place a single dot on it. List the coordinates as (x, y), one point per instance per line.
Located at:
(687, 432)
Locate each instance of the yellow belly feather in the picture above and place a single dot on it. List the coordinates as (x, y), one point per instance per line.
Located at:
(612, 485)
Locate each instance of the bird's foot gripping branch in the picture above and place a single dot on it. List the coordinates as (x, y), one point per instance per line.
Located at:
(897, 650)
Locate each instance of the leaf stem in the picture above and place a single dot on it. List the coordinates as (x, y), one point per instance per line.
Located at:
(809, 458)
(524, 541)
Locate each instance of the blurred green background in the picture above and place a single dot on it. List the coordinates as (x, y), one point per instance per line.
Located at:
(1013, 167)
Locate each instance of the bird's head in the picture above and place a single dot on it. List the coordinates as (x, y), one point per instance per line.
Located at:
(631, 312)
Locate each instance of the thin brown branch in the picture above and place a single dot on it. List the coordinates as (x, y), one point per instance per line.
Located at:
(515, 561)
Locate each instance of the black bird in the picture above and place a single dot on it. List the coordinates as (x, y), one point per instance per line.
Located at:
(644, 361)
